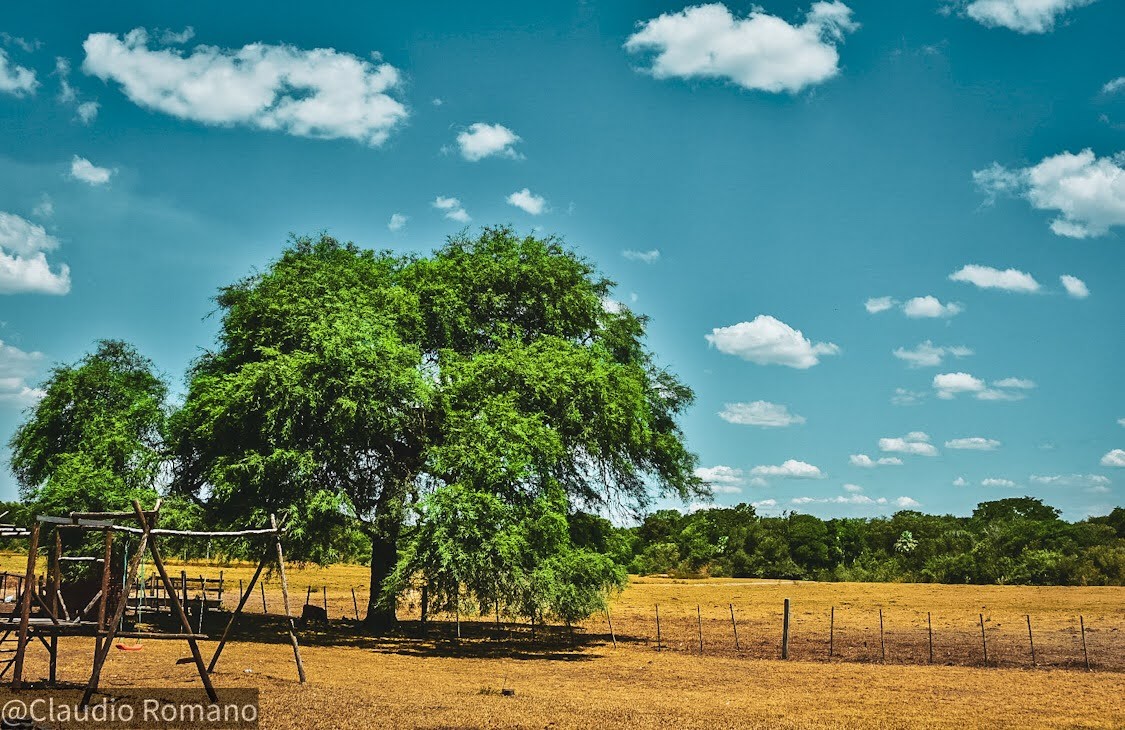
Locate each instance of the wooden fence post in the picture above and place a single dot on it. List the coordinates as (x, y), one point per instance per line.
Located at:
(882, 643)
(699, 617)
(734, 626)
(658, 647)
(355, 605)
(785, 631)
(1085, 656)
(1031, 639)
(285, 601)
(324, 594)
(262, 585)
(983, 641)
(831, 631)
(608, 620)
(930, 630)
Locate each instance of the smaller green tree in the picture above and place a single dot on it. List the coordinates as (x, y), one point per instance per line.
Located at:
(95, 440)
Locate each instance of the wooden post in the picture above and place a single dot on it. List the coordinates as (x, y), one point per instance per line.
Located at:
(103, 599)
(183, 589)
(25, 604)
(882, 643)
(457, 613)
(244, 596)
(355, 605)
(1030, 639)
(983, 641)
(699, 618)
(734, 625)
(658, 647)
(1085, 656)
(56, 581)
(785, 631)
(324, 593)
(498, 623)
(262, 585)
(608, 620)
(308, 595)
(930, 629)
(831, 631)
(285, 601)
(202, 608)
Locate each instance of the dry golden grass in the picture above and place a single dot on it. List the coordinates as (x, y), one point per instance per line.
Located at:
(357, 681)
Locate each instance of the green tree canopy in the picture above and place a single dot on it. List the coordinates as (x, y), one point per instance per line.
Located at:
(94, 442)
(348, 386)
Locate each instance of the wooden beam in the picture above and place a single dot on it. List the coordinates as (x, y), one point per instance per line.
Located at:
(25, 606)
(285, 600)
(237, 612)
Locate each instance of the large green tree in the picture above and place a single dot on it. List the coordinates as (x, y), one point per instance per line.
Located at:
(95, 440)
(350, 387)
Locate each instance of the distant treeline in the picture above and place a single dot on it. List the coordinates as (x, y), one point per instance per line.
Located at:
(1009, 541)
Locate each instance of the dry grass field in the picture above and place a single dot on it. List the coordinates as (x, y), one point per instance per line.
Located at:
(436, 681)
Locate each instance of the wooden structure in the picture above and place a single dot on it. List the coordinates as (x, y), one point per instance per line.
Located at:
(102, 615)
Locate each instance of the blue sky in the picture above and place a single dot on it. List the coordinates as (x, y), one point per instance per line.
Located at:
(793, 193)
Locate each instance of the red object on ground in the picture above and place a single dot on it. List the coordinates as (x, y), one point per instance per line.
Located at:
(124, 647)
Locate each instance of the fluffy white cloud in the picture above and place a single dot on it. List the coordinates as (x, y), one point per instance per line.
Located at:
(915, 442)
(453, 209)
(1087, 191)
(761, 51)
(1074, 286)
(928, 355)
(15, 79)
(904, 397)
(987, 277)
(482, 140)
(759, 413)
(960, 482)
(973, 443)
(397, 221)
(930, 307)
(839, 499)
(86, 171)
(723, 479)
(874, 305)
(790, 469)
(994, 482)
(173, 38)
(528, 201)
(647, 257)
(769, 341)
(23, 259)
(1121, 421)
(1116, 457)
(1114, 85)
(1022, 16)
(45, 208)
(907, 503)
(319, 93)
(853, 488)
(764, 504)
(87, 111)
(949, 385)
(16, 366)
(1081, 481)
(866, 462)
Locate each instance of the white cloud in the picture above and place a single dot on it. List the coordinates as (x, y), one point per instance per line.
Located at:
(67, 94)
(994, 482)
(172, 38)
(915, 442)
(86, 171)
(1116, 457)
(759, 413)
(318, 93)
(23, 259)
(1087, 191)
(874, 305)
(1121, 421)
(907, 503)
(482, 140)
(723, 479)
(87, 111)
(647, 257)
(15, 79)
(45, 208)
(760, 52)
(453, 209)
(987, 277)
(528, 201)
(839, 499)
(790, 469)
(1081, 481)
(927, 354)
(853, 488)
(1074, 286)
(1021, 383)
(1114, 85)
(950, 384)
(904, 397)
(1022, 16)
(930, 307)
(397, 221)
(960, 482)
(866, 462)
(973, 443)
(16, 366)
(764, 504)
(769, 341)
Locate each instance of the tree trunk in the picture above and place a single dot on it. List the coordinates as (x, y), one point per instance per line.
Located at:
(381, 617)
